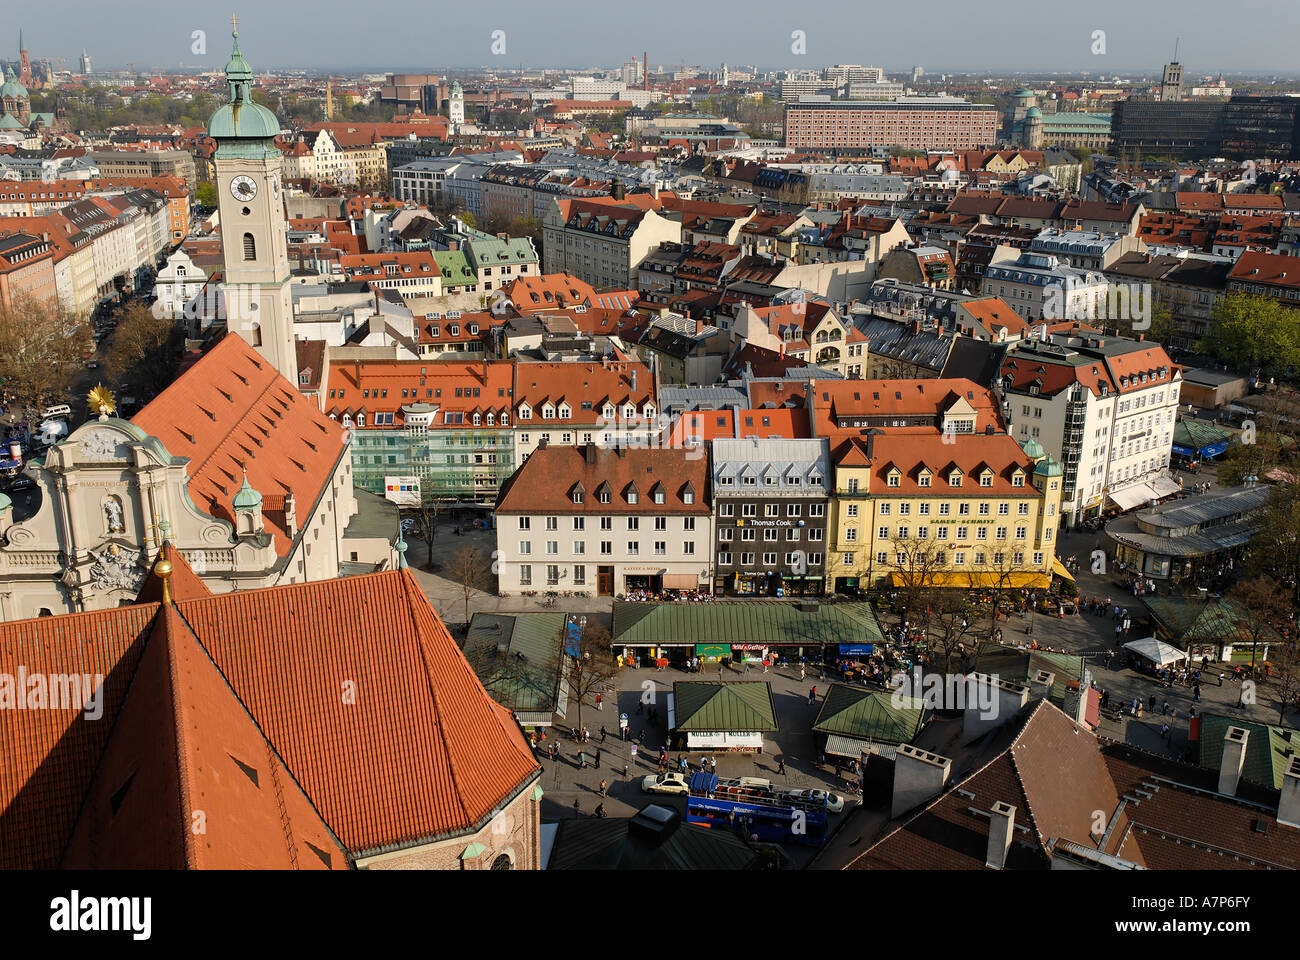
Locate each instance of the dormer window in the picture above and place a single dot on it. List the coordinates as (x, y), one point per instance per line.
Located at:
(565, 411)
(491, 419)
(986, 478)
(629, 412)
(578, 494)
(478, 419)
(954, 479)
(505, 419)
(924, 479)
(658, 493)
(894, 478)
(525, 413)
(631, 494)
(1018, 479)
(688, 494)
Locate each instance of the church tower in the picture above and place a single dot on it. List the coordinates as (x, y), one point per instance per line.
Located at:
(24, 62)
(254, 233)
(456, 107)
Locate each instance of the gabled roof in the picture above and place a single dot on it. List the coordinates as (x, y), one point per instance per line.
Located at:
(233, 414)
(735, 707)
(252, 691)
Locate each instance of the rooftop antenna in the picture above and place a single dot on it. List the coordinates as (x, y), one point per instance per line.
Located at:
(1176, 39)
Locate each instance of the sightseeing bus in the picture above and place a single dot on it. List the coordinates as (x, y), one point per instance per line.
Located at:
(749, 812)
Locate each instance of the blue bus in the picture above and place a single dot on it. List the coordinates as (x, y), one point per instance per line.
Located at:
(754, 812)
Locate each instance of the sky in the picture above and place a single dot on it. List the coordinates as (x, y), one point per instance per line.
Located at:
(1103, 37)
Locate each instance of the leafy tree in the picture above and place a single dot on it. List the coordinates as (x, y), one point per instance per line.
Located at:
(1254, 331)
(205, 195)
(42, 346)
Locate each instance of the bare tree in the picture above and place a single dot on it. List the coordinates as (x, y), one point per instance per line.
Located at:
(469, 568)
(1265, 606)
(592, 669)
(146, 351)
(951, 614)
(915, 564)
(1284, 675)
(42, 346)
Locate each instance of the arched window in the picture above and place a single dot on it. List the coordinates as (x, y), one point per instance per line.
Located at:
(250, 247)
(503, 862)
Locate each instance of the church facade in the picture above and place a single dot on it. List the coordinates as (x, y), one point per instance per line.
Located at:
(231, 464)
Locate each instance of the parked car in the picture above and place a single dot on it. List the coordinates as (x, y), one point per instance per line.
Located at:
(834, 802)
(674, 783)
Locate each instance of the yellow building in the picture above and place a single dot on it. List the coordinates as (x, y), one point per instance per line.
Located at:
(925, 508)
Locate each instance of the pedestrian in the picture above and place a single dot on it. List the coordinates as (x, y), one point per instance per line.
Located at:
(812, 696)
(602, 733)
(746, 670)
(598, 758)
(1164, 707)
(1220, 678)
(577, 807)
(780, 765)
(1152, 704)
(803, 672)
(1196, 693)
(600, 702)
(600, 810)
(1164, 730)
(582, 760)
(586, 734)
(604, 786)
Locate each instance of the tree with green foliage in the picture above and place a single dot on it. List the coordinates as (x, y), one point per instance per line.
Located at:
(1253, 331)
(205, 195)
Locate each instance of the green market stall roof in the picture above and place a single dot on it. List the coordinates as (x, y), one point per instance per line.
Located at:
(712, 707)
(1215, 620)
(1268, 748)
(868, 715)
(525, 679)
(744, 621)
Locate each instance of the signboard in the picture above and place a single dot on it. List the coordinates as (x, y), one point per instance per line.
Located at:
(712, 651)
(857, 649)
(403, 491)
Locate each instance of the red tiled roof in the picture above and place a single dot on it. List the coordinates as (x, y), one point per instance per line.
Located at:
(234, 414)
(258, 679)
(547, 481)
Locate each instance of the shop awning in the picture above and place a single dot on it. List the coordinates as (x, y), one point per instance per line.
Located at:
(1157, 651)
(1130, 497)
(952, 578)
(1164, 486)
(680, 581)
(841, 746)
(1058, 568)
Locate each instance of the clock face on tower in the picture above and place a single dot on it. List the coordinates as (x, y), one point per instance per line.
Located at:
(243, 188)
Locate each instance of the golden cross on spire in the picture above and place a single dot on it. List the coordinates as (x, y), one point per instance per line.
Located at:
(234, 23)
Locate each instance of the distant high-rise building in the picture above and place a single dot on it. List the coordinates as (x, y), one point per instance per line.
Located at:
(917, 73)
(85, 63)
(1171, 83)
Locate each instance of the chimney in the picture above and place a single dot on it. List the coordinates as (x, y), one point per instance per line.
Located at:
(1040, 687)
(1234, 757)
(1002, 824)
(541, 444)
(290, 517)
(918, 777)
(590, 454)
(699, 328)
(1288, 808)
(634, 381)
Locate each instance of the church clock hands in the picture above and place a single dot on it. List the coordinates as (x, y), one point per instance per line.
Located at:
(243, 188)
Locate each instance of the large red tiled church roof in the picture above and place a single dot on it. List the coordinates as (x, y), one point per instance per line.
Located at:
(308, 724)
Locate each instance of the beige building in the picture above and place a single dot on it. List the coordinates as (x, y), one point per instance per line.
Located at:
(603, 242)
(605, 521)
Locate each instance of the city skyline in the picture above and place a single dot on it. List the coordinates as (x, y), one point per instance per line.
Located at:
(956, 39)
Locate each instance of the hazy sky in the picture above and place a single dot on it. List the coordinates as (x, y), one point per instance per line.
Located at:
(346, 35)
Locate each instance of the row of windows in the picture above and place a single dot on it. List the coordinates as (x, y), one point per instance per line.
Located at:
(958, 558)
(606, 548)
(983, 508)
(792, 559)
(607, 523)
(770, 534)
(941, 533)
(771, 509)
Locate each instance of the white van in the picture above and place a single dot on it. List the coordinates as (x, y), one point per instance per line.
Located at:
(56, 411)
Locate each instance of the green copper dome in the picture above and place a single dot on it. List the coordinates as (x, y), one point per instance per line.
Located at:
(241, 118)
(1047, 468)
(246, 498)
(1033, 449)
(1033, 112)
(12, 88)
